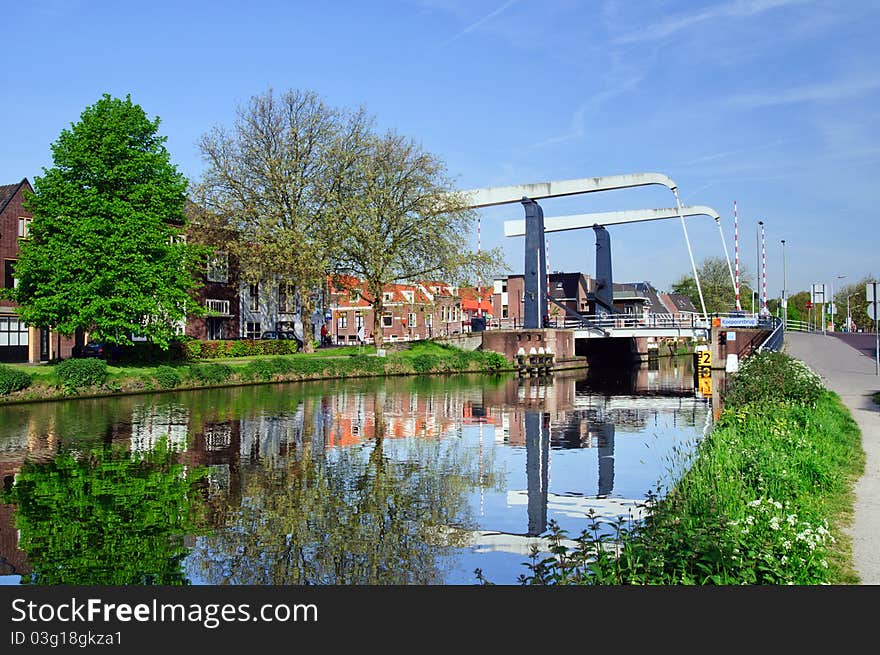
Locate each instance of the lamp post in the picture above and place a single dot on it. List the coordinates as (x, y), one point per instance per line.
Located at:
(833, 308)
(784, 300)
(757, 260)
(848, 314)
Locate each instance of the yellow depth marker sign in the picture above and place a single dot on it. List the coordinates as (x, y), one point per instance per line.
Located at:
(704, 372)
(704, 359)
(705, 386)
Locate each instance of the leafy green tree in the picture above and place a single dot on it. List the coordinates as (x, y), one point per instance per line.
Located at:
(858, 305)
(797, 306)
(718, 291)
(102, 254)
(398, 218)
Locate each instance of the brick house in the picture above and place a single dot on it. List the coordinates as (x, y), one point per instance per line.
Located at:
(572, 290)
(18, 342)
(420, 310)
(219, 290)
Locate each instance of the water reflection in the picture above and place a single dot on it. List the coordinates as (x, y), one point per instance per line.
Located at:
(406, 481)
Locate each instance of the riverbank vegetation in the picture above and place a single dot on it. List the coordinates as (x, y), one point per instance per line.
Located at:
(763, 499)
(91, 377)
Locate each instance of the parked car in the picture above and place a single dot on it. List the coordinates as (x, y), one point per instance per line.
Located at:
(93, 349)
(100, 350)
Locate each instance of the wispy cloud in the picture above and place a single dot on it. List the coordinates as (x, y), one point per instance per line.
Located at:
(827, 91)
(579, 117)
(470, 28)
(717, 156)
(675, 24)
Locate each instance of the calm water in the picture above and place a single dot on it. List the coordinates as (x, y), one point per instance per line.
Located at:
(399, 481)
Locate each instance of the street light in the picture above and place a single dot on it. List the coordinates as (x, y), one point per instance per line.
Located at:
(833, 308)
(757, 261)
(784, 300)
(848, 314)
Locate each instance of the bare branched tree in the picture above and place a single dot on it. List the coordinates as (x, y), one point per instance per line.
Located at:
(271, 181)
(398, 218)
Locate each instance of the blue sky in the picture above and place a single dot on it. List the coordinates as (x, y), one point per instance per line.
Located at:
(769, 103)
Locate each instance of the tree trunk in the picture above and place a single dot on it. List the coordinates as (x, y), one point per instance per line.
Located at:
(378, 308)
(306, 318)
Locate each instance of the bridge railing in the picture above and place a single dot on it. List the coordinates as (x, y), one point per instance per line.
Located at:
(801, 326)
(776, 339)
(629, 321)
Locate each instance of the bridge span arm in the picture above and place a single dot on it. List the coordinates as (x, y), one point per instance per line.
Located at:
(517, 228)
(502, 195)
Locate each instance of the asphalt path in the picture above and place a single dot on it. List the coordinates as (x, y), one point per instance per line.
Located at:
(846, 365)
(864, 342)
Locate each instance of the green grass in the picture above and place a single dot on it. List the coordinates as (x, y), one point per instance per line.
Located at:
(419, 357)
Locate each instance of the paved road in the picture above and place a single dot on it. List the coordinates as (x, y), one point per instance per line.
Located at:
(850, 373)
(864, 342)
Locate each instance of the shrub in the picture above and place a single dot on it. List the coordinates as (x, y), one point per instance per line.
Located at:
(493, 361)
(239, 348)
(773, 377)
(12, 380)
(210, 373)
(76, 374)
(193, 349)
(167, 376)
(267, 369)
(425, 362)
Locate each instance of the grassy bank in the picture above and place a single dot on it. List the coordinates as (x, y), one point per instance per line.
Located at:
(90, 377)
(764, 498)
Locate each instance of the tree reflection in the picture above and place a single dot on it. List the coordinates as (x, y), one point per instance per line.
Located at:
(355, 515)
(105, 517)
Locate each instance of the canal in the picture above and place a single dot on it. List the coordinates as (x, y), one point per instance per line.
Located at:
(411, 480)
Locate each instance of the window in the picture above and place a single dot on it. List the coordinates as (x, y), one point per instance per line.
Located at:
(218, 268)
(9, 280)
(503, 286)
(254, 304)
(13, 332)
(429, 320)
(24, 227)
(411, 321)
(252, 330)
(504, 311)
(218, 306)
(342, 320)
(177, 238)
(359, 320)
(387, 296)
(286, 299)
(387, 320)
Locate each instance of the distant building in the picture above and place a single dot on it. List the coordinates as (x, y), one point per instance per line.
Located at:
(419, 310)
(570, 290)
